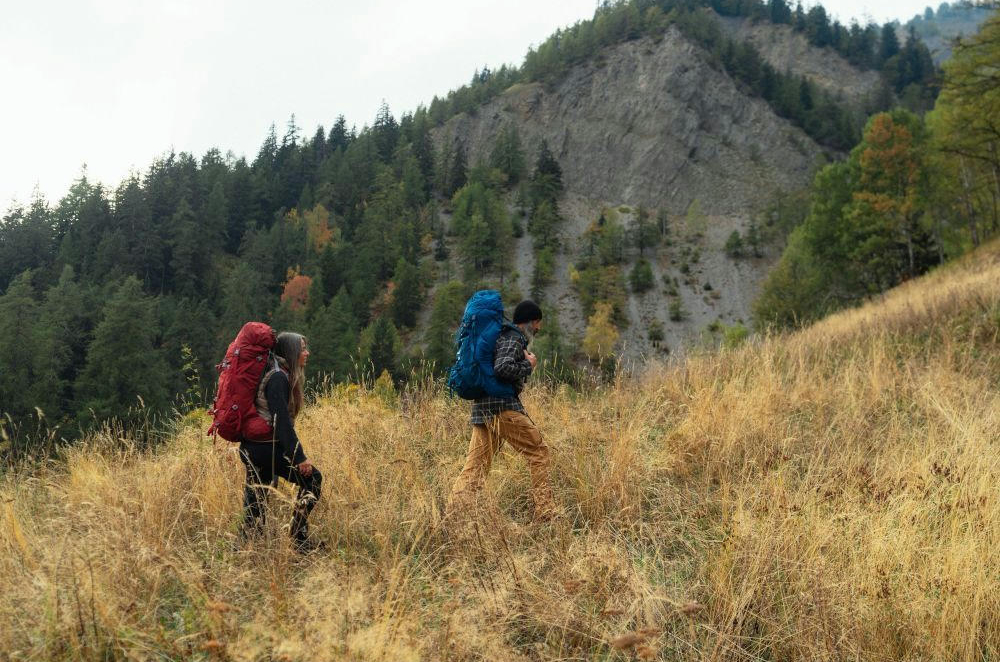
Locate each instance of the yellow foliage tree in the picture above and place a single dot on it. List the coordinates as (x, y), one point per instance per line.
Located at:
(316, 222)
(318, 230)
(601, 336)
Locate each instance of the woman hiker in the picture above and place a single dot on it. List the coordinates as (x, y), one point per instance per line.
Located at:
(279, 399)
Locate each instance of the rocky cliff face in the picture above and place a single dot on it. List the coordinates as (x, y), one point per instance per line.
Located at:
(787, 50)
(653, 124)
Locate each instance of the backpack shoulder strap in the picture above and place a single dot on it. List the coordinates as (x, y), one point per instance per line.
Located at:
(508, 325)
(272, 367)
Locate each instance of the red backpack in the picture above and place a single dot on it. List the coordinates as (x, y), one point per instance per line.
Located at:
(234, 411)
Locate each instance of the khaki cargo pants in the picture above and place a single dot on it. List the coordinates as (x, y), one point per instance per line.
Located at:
(518, 430)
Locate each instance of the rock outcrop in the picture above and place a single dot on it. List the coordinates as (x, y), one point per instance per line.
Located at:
(787, 50)
(653, 123)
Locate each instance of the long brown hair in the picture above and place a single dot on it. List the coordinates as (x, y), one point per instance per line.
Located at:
(288, 347)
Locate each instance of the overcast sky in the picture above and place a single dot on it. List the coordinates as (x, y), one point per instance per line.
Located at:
(114, 83)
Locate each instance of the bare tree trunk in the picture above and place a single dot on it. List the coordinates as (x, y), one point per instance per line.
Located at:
(967, 198)
(939, 238)
(909, 251)
(995, 193)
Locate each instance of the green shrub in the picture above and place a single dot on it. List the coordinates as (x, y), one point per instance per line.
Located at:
(641, 277)
(734, 245)
(735, 335)
(677, 312)
(655, 332)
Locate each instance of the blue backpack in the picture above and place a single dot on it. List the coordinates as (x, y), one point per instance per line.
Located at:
(472, 375)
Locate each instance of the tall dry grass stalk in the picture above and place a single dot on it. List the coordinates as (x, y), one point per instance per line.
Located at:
(825, 495)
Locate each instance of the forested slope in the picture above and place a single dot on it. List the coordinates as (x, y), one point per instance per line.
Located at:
(639, 215)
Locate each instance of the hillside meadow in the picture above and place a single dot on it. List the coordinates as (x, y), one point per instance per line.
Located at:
(830, 494)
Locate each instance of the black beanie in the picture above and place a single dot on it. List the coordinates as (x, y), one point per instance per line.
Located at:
(527, 311)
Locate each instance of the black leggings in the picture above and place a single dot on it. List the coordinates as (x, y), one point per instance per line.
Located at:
(265, 464)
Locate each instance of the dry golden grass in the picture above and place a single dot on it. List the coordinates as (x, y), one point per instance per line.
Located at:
(826, 495)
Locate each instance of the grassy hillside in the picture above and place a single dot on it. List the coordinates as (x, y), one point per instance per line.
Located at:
(826, 495)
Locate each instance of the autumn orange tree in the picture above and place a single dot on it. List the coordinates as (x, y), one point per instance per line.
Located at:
(887, 210)
(868, 227)
(296, 290)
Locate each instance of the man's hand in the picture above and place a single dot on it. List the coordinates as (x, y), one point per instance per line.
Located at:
(532, 359)
(306, 468)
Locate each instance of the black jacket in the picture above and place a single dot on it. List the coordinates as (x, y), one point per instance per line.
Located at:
(278, 391)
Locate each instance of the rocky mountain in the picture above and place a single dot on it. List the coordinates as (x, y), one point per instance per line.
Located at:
(655, 123)
(784, 48)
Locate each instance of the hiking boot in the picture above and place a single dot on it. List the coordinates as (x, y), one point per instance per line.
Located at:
(308, 545)
(300, 537)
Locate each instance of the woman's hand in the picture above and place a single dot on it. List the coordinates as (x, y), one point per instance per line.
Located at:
(306, 468)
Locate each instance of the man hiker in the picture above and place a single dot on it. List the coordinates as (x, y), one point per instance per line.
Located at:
(498, 419)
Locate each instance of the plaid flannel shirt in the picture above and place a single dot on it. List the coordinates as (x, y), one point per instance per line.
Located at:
(510, 366)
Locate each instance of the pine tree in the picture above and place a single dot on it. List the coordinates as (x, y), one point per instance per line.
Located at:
(62, 343)
(380, 348)
(407, 297)
(544, 224)
(734, 245)
(611, 243)
(546, 181)
(754, 239)
(446, 315)
(414, 186)
(134, 221)
(333, 338)
(481, 222)
(18, 327)
(305, 198)
(476, 245)
(124, 365)
(423, 148)
(442, 167)
(780, 11)
(188, 261)
(645, 233)
(190, 348)
(243, 203)
(457, 176)
(27, 240)
(245, 298)
(641, 277)
(889, 43)
(440, 245)
(216, 216)
(316, 300)
(331, 263)
(508, 155)
(385, 132)
(338, 139)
